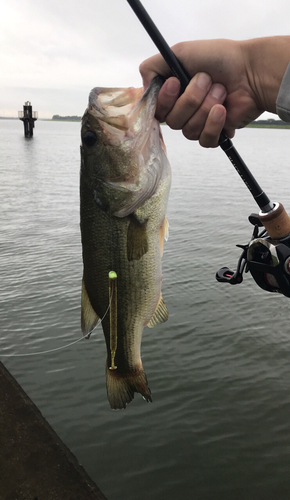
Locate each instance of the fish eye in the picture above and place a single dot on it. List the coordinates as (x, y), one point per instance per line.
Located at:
(89, 138)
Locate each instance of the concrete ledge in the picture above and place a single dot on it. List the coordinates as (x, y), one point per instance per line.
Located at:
(34, 463)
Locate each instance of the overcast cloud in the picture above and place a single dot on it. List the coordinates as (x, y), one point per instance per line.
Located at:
(52, 52)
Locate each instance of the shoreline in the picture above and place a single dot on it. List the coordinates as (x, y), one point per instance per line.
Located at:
(34, 461)
(275, 124)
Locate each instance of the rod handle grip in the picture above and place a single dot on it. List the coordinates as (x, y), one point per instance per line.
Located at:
(276, 222)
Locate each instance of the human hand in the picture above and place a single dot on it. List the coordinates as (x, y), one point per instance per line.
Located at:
(232, 84)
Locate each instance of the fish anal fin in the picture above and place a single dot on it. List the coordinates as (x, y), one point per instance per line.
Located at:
(160, 314)
(137, 241)
(122, 386)
(89, 317)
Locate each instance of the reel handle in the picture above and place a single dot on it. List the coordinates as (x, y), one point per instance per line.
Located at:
(276, 222)
(226, 275)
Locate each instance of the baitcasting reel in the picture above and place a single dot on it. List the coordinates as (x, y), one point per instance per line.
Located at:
(267, 259)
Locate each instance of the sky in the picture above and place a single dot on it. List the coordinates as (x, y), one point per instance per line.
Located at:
(53, 52)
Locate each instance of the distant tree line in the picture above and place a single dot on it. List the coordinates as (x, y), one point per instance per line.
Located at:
(271, 122)
(73, 118)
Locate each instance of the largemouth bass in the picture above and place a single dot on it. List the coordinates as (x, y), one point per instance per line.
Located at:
(124, 187)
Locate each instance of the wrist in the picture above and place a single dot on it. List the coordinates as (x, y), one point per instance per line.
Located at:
(266, 60)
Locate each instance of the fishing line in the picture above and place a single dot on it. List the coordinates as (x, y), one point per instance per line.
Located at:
(45, 352)
(87, 336)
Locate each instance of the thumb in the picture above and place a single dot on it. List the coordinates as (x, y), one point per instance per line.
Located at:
(152, 67)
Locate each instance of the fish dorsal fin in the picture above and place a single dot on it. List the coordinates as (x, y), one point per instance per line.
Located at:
(137, 242)
(89, 317)
(160, 314)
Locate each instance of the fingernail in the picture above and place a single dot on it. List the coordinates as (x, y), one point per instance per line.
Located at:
(218, 91)
(203, 81)
(172, 86)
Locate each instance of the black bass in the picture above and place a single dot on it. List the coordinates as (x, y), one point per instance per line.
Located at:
(124, 187)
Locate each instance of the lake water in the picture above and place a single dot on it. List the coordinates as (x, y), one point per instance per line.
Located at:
(219, 369)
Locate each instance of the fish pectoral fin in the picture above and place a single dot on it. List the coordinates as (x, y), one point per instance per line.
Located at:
(137, 241)
(160, 314)
(166, 228)
(164, 233)
(89, 317)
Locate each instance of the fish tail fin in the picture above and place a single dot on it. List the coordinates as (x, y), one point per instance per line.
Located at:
(122, 386)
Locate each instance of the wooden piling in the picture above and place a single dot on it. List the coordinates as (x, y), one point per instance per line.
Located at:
(28, 117)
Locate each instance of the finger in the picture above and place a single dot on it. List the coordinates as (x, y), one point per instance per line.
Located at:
(152, 67)
(209, 137)
(230, 132)
(189, 102)
(167, 97)
(196, 123)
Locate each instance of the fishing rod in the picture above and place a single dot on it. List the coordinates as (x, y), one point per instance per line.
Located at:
(180, 72)
(267, 255)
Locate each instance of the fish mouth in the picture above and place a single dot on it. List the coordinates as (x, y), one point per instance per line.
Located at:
(124, 113)
(153, 88)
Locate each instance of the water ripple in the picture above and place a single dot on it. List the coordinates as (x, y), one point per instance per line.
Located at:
(218, 369)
